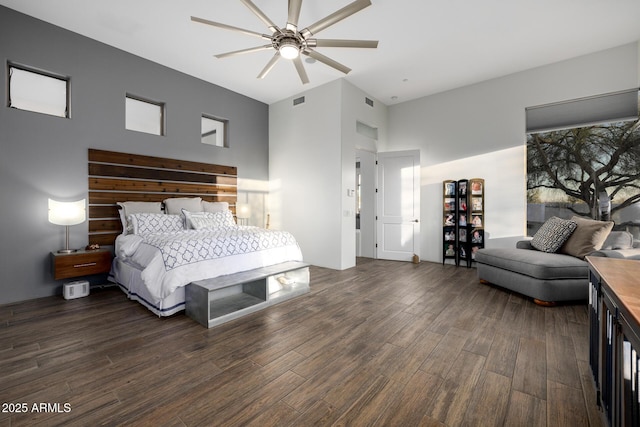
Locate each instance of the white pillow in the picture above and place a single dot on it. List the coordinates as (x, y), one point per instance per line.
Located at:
(175, 205)
(148, 223)
(210, 220)
(215, 206)
(129, 208)
(189, 215)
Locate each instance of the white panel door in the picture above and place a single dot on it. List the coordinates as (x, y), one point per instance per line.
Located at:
(398, 205)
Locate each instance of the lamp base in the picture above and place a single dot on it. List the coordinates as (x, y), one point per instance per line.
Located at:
(67, 251)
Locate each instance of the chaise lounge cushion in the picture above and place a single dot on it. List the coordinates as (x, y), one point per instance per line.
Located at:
(533, 263)
(548, 276)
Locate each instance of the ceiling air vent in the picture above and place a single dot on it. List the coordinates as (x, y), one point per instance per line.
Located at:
(368, 101)
(298, 101)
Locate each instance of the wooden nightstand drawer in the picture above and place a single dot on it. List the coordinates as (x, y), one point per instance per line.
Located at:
(81, 263)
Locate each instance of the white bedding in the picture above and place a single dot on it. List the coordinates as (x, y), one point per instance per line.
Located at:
(169, 261)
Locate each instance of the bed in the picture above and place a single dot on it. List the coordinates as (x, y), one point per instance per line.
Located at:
(171, 223)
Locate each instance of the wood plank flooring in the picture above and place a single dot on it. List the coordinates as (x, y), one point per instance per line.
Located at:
(385, 343)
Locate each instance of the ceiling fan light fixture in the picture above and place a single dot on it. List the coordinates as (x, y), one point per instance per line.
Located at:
(289, 49)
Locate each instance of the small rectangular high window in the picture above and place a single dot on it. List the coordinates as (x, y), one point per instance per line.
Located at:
(37, 91)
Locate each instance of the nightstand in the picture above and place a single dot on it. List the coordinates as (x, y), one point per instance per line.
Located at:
(80, 263)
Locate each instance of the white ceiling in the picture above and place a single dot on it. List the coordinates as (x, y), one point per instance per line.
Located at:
(426, 46)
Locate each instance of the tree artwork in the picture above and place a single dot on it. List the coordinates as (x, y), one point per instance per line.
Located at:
(586, 167)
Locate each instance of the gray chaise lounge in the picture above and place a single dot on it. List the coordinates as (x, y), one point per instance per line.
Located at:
(548, 277)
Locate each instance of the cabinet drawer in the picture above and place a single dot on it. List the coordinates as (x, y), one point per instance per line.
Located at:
(81, 264)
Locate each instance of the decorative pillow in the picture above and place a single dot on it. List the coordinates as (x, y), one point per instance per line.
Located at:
(218, 219)
(211, 220)
(189, 215)
(588, 236)
(618, 240)
(553, 233)
(175, 205)
(147, 223)
(129, 208)
(215, 206)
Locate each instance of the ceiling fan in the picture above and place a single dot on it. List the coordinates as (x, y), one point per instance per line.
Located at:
(289, 42)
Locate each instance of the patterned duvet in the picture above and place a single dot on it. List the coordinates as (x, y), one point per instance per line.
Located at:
(174, 259)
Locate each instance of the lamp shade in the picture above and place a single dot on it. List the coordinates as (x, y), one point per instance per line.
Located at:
(243, 210)
(67, 213)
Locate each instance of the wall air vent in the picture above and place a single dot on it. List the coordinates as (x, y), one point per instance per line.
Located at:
(298, 101)
(368, 101)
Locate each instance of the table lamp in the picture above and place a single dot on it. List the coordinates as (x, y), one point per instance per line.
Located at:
(67, 213)
(243, 213)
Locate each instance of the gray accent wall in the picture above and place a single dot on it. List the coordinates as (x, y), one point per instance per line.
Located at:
(45, 157)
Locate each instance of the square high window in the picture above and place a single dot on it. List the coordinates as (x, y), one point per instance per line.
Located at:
(144, 116)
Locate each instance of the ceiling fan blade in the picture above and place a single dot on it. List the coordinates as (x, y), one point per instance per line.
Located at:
(242, 51)
(335, 17)
(301, 71)
(269, 66)
(342, 43)
(294, 14)
(260, 14)
(326, 60)
(230, 27)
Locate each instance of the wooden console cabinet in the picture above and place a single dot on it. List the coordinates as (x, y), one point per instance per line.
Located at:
(614, 337)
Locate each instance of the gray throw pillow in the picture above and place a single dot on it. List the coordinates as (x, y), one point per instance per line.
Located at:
(553, 233)
(618, 240)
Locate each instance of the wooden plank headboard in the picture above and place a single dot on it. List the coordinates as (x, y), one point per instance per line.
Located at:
(120, 177)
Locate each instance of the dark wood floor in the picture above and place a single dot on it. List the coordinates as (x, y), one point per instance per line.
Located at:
(385, 343)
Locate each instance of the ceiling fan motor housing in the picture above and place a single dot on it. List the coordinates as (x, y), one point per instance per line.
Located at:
(287, 38)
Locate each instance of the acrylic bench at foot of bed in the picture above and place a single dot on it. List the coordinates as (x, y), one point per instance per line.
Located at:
(211, 302)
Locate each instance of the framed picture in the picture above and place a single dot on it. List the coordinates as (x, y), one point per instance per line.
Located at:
(462, 235)
(476, 187)
(449, 249)
(474, 250)
(462, 188)
(462, 219)
(449, 219)
(462, 203)
(477, 236)
(476, 220)
(476, 203)
(450, 204)
(450, 234)
(462, 253)
(449, 188)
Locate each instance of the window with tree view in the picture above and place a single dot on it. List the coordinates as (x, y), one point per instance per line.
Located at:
(591, 171)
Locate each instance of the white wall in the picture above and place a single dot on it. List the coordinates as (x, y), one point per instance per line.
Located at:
(505, 209)
(312, 154)
(354, 109)
(305, 173)
(479, 131)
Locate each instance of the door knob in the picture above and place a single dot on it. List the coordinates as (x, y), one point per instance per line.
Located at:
(415, 220)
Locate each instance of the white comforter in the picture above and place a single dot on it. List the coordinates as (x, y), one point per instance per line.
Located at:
(171, 260)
